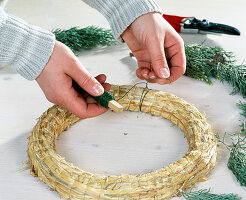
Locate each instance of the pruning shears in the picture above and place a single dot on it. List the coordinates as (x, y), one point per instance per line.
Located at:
(194, 25)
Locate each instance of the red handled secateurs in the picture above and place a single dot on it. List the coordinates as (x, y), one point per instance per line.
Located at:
(194, 25)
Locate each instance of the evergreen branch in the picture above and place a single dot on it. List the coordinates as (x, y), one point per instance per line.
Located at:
(242, 107)
(243, 129)
(237, 164)
(85, 38)
(204, 63)
(237, 159)
(205, 194)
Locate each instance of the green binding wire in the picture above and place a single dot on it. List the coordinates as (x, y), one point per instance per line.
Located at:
(104, 99)
(144, 93)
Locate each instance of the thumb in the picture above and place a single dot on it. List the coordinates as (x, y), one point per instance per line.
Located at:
(85, 80)
(158, 58)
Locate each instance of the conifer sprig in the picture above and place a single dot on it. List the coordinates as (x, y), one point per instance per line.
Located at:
(85, 38)
(205, 194)
(205, 63)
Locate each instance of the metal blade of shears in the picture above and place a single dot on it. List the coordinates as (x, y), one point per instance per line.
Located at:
(220, 28)
(206, 26)
(194, 25)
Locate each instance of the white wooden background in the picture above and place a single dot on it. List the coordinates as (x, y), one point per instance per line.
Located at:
(116, 143)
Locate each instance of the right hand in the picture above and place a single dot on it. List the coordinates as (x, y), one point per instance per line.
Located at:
(157, 47)
(56, 82)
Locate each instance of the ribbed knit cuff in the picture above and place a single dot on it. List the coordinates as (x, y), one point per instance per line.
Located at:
(24, 47)
(121, 13)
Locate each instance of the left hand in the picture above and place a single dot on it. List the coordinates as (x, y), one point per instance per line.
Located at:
(56, 82)
(158, 48)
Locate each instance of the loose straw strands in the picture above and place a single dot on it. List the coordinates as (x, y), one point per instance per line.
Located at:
(74, 183)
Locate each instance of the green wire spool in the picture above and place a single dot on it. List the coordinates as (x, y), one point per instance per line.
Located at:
(106, 99)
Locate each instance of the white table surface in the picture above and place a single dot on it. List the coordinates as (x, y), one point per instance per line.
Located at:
(116, 143)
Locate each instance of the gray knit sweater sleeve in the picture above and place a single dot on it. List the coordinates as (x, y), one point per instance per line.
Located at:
(28, 48)
(121, 13)
(24, 47)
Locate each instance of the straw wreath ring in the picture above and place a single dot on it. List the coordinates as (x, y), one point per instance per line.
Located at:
(74, 183)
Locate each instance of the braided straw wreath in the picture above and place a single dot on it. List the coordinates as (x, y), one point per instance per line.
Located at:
(73, 183)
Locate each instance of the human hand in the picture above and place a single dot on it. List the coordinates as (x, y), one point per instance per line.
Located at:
(56, 82)
(157, 47)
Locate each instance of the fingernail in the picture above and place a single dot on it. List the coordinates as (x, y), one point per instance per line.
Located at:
(145, 76)
(98, 89)
(164, 72)
(153, 77)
